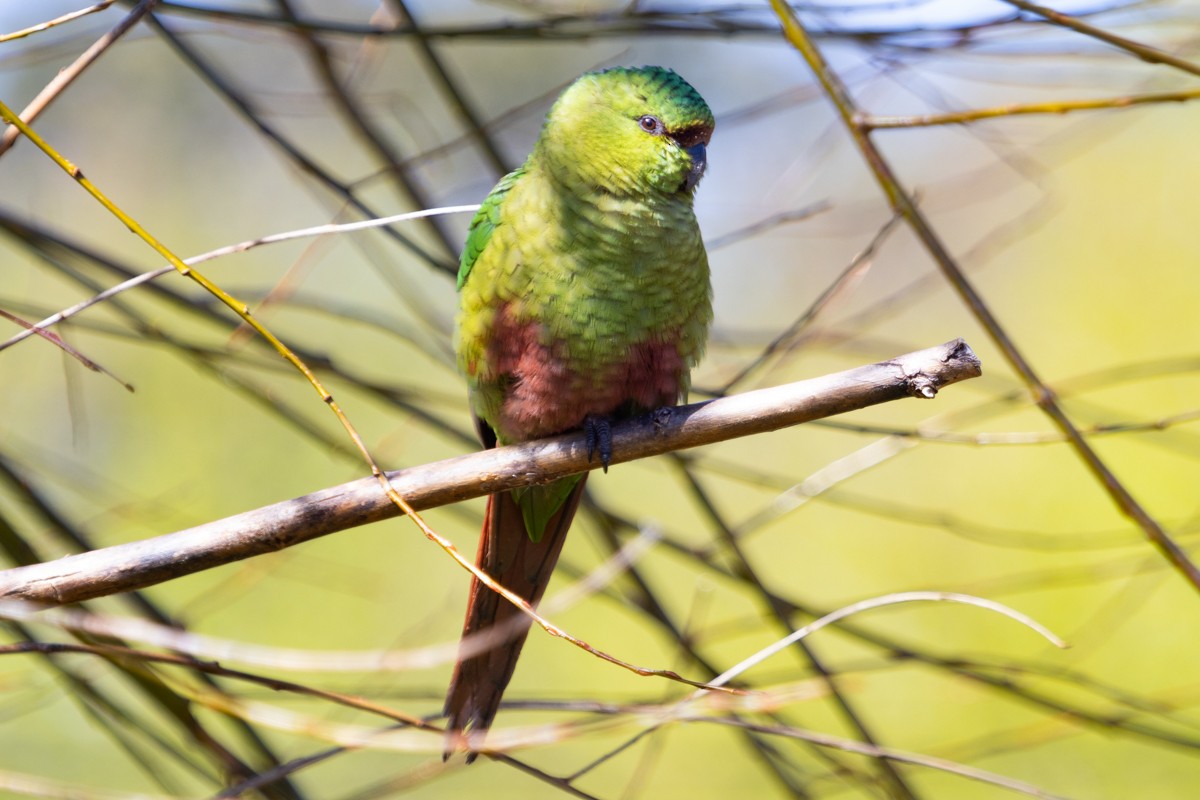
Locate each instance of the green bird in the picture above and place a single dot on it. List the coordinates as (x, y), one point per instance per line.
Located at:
(585, 297)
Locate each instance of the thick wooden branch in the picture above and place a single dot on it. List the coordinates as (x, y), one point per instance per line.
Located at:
(134, 565)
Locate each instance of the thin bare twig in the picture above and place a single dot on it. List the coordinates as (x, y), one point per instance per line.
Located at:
(109, 651)
(854, 271)
(742, 566)
(240, 247)
(366, 131)
(1042, 393)
(897, 650)
(58, 342)
(202, 648)
(872, 122)
(476, 128)
(42, 26)
(67, 76)
(290, 149)
(1151, 55)
(879, 602)
(886, 753)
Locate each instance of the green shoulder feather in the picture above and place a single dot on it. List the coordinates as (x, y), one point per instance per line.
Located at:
(485, 221)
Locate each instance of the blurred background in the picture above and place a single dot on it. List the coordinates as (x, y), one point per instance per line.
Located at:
(214, 123)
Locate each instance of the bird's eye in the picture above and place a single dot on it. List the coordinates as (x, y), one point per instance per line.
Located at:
(651, 124)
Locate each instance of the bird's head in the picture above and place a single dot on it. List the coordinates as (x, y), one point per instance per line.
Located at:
(629, 131)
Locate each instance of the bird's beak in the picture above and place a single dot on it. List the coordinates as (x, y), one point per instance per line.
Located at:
(699, 157)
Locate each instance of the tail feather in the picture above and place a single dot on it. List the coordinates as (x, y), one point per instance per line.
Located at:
(495, 630)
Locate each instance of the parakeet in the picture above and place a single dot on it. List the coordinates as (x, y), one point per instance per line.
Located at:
(585, 296)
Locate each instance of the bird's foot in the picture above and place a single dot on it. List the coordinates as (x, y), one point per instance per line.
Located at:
(661, 417)
(598, 432)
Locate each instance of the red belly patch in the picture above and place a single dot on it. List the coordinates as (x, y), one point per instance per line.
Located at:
(547, 392)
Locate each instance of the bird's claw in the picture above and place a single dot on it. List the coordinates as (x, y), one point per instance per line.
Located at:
(598, 434)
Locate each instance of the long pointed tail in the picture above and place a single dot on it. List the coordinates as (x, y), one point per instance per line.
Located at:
(495, 630)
